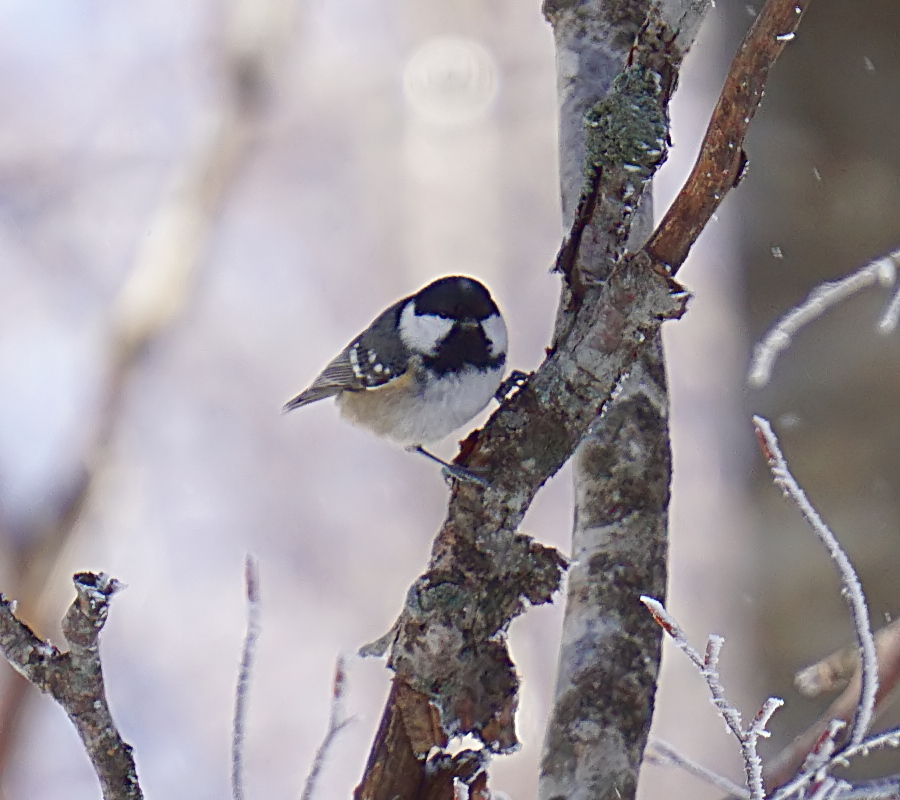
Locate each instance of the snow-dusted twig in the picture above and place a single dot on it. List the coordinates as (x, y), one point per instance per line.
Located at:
(852, 589)
(823, 760)
(891, 315)
(820, 300)
(880, 741)
(827, 675)
(664, 754)
(242, 692)
(881, 789)
(336, 723)
(709, 669)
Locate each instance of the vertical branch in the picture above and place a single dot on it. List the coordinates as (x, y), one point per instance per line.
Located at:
(609, 658)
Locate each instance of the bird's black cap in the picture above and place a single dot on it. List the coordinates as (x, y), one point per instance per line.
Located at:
(456, 297)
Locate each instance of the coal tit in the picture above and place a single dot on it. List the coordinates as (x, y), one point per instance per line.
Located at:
(423, 368)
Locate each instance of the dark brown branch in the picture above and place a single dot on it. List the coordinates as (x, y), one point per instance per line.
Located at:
(75, 679)
(722, 160)
(449, 652)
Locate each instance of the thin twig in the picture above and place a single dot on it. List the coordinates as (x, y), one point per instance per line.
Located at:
(881, 789)
(852, 590)
(336, 723)
(242, 692)
(664, 754)
(880, 741)
(709, 668)
(821, 299)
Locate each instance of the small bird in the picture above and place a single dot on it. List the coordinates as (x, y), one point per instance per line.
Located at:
(423, 368)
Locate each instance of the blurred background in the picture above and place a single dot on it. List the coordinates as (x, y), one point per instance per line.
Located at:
(201, 202)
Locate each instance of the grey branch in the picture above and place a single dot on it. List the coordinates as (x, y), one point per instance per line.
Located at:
(613, 135)
(75, 678)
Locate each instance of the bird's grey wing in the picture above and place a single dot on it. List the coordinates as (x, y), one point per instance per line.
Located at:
(357, 368)
(337, 377)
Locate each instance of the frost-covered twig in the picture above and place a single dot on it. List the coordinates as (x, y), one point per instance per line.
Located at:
(881, 789)
(823, 760)
(880, 741)
(336, 723)
(820, 300)
(825, 676)
(664, 754)
(75, 679)
(709, 669)
(852, 590)
(241, 695)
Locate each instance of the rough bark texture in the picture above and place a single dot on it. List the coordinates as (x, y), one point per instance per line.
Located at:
(449, 644)
(75, 679)
(609, 659)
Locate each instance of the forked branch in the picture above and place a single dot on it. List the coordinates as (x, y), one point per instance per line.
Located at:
(75, 678)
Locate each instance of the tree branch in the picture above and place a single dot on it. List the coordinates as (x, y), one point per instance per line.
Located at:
(454, 674)
(609, 658)
(722, 161)
(75, 679)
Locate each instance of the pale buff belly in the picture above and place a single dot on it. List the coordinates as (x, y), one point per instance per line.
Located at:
(424, 416)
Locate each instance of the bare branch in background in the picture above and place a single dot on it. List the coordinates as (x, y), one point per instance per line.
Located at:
(835, 670)
(75, 678)
(838, 667)
(156, 290)
(337, 721)
(851, 588)
(662, 753)
(708, 665)
(242, 691)
(821, 299)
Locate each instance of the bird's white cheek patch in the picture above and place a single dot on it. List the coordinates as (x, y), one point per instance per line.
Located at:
(495, 329)
(421, 333)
